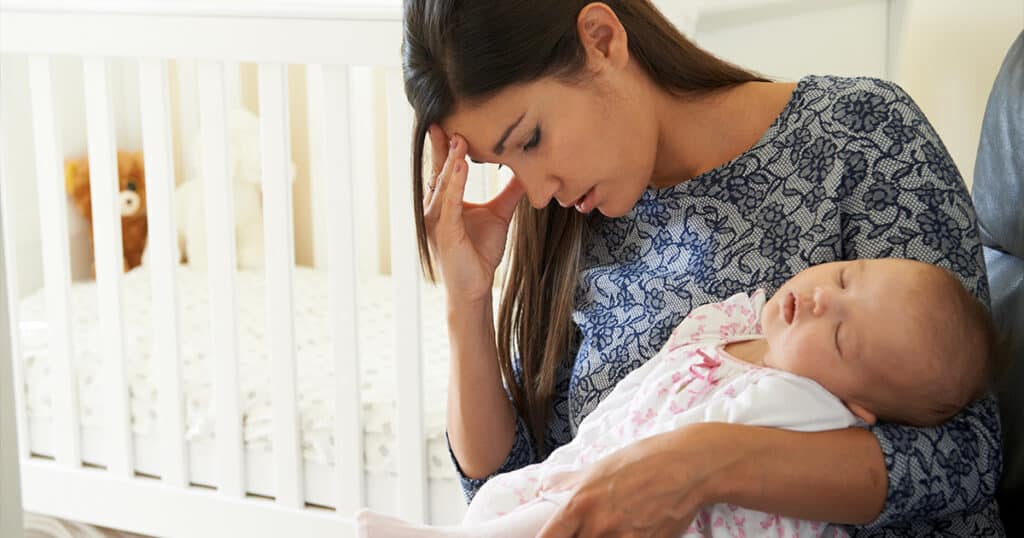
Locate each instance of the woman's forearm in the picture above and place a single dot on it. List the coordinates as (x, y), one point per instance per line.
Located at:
(481, 420)
(837, 476)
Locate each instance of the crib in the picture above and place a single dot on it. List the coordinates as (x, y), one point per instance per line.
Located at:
(309, 370)
(159, 482)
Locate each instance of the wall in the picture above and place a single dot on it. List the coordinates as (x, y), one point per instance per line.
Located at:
(951, 52)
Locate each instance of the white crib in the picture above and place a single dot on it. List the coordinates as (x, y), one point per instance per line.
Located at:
(149, 486)
(166, 483)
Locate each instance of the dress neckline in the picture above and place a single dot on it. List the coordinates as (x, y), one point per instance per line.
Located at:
(651, 194)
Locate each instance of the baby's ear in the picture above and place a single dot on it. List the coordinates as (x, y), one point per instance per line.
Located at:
(864, 414)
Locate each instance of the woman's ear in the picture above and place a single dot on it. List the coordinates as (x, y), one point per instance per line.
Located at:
(864, 414)
(602, 36)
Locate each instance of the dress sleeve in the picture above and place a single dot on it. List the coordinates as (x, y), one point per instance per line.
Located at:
(521, 455)
(901, 196)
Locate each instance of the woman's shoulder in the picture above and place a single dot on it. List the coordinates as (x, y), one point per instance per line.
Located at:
(837, 86)
(858, 105)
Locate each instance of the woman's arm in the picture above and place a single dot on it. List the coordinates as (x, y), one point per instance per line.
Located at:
(481, 421)
(941, 471)
(837, 476)
(467, 241)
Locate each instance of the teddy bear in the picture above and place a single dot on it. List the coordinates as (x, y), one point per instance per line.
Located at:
(131, 178)
(245, 173)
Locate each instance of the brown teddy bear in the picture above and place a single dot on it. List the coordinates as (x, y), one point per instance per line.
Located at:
(132, 194)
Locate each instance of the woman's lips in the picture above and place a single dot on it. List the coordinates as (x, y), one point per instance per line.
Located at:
(586, 202)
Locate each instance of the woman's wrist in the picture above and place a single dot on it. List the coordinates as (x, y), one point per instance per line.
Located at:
(470, 308)
(735, 455)
(723, 452)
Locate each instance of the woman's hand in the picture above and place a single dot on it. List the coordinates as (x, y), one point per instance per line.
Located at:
(466, 239)
(653, 487)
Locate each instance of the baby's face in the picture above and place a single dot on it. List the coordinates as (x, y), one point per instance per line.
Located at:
(841, 325)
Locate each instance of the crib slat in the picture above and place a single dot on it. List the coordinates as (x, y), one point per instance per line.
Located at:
(405, 271)
(13, 310)
(163, 252)
(365, 89)
(56, 262)
(330, 85)
(279, 249)
(106, 221)
(220, 243)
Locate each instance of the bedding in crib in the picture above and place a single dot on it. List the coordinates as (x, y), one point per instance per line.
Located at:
(315, 365)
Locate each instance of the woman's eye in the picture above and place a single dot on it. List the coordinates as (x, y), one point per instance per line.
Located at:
(534, 140)
(842, 281)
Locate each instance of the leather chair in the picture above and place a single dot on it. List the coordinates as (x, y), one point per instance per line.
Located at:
(998, 194)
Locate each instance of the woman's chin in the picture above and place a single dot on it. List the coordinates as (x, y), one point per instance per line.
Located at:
(610, 211)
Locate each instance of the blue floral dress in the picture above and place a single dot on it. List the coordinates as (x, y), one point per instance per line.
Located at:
(850, 169)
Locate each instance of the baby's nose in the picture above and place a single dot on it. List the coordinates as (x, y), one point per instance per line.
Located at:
(822, 301)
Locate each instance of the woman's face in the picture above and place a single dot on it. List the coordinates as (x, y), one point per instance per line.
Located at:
(592, 145)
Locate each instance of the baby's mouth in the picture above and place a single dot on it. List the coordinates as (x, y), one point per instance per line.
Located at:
(789, 307)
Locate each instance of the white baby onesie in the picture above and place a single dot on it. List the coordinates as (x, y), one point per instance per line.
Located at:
(690, 380)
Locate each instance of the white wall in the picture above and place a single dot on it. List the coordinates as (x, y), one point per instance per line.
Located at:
(950, 54)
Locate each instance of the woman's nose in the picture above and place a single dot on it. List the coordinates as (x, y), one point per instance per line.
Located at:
(539, 189)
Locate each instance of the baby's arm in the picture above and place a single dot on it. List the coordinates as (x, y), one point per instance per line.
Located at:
(780, 400)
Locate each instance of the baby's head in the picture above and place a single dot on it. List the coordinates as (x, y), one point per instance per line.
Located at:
(896, 340)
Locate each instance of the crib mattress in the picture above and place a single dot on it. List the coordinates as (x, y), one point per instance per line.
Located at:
(314, 369)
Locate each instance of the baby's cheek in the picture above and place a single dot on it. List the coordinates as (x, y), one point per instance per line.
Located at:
(800, 358)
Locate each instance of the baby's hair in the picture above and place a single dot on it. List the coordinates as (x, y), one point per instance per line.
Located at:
(961, 348)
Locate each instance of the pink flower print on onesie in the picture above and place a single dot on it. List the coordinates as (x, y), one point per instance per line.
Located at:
(703, 371)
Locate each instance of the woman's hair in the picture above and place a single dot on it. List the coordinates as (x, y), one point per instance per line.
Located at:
(462, 51)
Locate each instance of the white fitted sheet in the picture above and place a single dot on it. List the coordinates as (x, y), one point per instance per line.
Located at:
(315, 374)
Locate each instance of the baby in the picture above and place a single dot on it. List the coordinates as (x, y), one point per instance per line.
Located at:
(840, 344)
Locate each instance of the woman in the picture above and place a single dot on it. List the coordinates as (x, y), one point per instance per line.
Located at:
(707, 180)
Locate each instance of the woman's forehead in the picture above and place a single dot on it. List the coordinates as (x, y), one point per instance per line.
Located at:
(487, 125)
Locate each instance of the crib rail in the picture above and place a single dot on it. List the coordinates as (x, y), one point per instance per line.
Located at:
(331, 41)
(346, 33)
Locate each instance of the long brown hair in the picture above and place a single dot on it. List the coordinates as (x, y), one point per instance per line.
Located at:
(469, 50)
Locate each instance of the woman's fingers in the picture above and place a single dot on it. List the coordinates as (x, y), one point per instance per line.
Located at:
(676, 527)
(439, 152)
(566, 523)
(438, 200)
(436, 184)
(439, 148)
(504, 204)
(451, 186)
